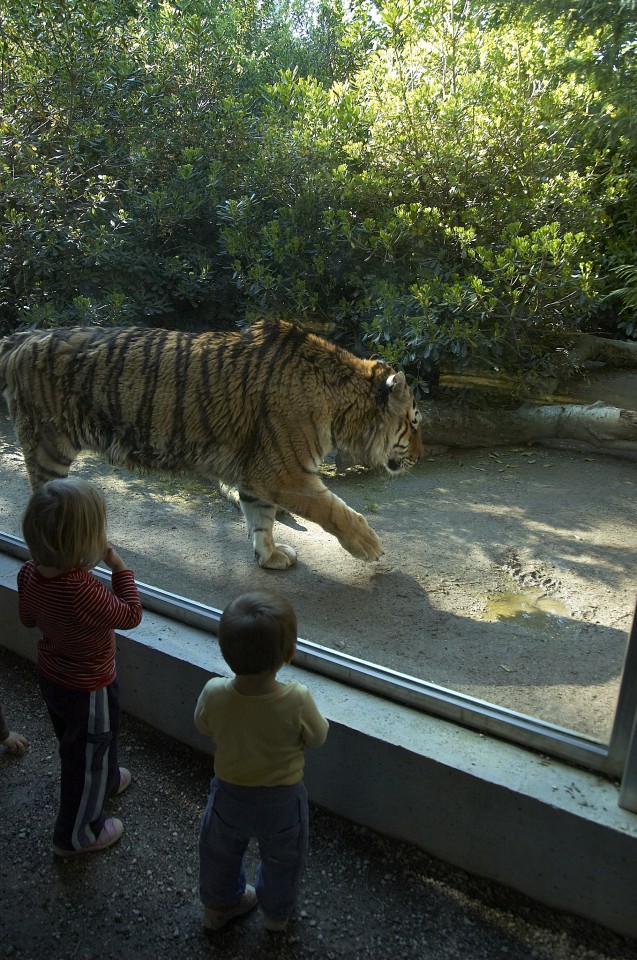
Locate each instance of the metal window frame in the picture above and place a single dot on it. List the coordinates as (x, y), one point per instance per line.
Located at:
(618, 758)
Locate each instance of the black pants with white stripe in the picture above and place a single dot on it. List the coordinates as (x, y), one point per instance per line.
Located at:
(86, 723)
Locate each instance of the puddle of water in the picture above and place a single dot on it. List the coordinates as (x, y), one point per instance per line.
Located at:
(542, 614)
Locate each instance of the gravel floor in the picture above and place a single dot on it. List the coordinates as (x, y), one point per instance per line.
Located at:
(364, 896)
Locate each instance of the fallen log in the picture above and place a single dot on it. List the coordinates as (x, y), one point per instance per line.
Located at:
(604, 427)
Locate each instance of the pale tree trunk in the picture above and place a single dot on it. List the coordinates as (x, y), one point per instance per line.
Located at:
(615, 353)
(597, 424)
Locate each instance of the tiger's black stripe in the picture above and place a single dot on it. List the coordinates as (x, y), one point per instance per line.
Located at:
(151, 352)
(116, 353)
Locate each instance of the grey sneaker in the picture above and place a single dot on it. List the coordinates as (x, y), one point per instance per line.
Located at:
(124, 780)
(110, 834)
(214, 918)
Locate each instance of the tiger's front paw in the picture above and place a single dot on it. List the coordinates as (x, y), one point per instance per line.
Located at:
(361, 541)
(281, 558)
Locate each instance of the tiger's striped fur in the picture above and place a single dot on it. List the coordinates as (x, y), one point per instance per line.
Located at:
(256, 409)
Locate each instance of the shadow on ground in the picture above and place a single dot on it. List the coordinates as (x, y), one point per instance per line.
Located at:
(364, 896)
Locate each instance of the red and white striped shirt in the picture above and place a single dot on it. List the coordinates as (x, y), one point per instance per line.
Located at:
(78, 617)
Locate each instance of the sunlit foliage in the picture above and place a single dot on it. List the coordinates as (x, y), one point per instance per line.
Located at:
(444, 182)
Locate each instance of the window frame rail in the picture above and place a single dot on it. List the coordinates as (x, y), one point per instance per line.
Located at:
(617, 759)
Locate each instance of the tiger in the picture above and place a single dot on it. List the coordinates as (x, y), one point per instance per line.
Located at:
(256, 409)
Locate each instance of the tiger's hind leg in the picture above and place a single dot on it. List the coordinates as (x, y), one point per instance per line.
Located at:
(46, 456)
(260, 517)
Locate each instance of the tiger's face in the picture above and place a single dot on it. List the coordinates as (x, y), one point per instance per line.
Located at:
(394, 440)
(407, 448)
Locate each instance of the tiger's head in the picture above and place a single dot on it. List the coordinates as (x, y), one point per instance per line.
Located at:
(405, 440)
(387, 434)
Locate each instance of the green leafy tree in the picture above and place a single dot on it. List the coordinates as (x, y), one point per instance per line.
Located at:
(445, 182)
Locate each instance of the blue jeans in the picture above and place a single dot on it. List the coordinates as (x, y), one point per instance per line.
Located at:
(278, 817)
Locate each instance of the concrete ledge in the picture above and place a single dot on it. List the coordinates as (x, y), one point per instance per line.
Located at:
(548, 830)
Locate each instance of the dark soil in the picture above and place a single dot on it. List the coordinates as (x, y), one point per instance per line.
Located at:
(364, 896)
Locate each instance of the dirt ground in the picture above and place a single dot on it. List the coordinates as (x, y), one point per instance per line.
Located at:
(509, 574)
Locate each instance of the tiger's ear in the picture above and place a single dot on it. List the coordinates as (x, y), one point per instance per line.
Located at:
(397, 389)
(396, 381)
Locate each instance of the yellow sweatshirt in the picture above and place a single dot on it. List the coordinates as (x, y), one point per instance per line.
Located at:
(259, 739)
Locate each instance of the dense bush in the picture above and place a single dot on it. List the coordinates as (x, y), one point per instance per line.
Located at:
(444, 184)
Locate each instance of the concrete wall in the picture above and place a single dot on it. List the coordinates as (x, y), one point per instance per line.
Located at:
(548, 830)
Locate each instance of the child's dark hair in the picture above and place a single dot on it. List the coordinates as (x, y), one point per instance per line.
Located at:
(64, 524)
(257, 632)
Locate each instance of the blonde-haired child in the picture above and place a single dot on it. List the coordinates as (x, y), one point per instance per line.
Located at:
(64, 526)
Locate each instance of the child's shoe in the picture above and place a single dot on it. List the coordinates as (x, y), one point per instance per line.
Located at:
(124, 780)
(276, 926)
(214, 918)
(109, 834)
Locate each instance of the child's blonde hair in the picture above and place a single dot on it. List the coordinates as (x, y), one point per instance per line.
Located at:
(257, 632)
(64, 525)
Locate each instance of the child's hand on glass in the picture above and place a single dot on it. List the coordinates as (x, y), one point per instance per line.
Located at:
(113, 560)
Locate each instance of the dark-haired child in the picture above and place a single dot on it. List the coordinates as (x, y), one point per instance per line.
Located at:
(261, 727)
